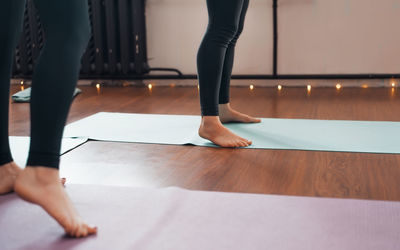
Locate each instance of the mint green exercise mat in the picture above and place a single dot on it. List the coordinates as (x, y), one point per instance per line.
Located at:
(25, 95)
(20, 147)
(291, 134)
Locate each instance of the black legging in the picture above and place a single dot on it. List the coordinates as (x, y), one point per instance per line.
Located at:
(67, 31)
(216, 54)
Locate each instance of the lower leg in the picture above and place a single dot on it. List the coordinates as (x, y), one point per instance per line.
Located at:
(11, 17)
(227, 114)
(223, 21)
(58, 64)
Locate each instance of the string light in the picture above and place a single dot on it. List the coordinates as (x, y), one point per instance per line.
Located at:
(251, 87)
(338, 86)
(98, 88)
(150, 86)
(198, 87)
(279, 87)
(308, 88)
(364, 86)
(22, 82)
(392, 93)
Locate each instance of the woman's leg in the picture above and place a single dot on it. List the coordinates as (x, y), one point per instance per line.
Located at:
(229, 58)
(224, 19)
(11, 18)
(67, 30)
(226, 113)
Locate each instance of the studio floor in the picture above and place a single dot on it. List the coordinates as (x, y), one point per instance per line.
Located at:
(282, 172)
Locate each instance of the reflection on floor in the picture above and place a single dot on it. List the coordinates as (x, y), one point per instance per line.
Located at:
(320, 174)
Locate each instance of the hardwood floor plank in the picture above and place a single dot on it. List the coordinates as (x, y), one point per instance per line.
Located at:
(283, 172)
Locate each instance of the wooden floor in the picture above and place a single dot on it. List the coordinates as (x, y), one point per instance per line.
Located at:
(304, 173)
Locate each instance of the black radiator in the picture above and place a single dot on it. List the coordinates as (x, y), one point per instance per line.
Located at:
(117, 48)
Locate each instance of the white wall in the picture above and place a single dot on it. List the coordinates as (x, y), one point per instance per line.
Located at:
(340, 36)
(315, 36)
(175, 29)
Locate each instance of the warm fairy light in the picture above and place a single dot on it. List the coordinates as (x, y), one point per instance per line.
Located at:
(364, 86)
(308, 88)
(393, 84)
(98, 88)
(150, 86)
(22, 82)
(279, 87)
(172, 85)
(338, 86)
(198, 87)
(251, 87)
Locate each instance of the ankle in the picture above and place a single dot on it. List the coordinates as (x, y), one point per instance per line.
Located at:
(11, 167)
(44, 175)
(210, 121)
(224, 107)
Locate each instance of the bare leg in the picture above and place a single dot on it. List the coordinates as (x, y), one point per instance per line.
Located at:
(41, 186)
(212, 129)
(228, 114)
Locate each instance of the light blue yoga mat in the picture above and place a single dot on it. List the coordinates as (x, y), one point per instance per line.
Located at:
(292, 134)
(25, 95)
(20, 147)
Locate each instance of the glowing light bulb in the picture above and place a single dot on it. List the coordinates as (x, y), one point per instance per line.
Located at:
(308, 88)
(338, 86)
(98, 88)
(364, 86)
(150, 86)
(22, 82)
(393, 84)
(251, 87)
(279, 87)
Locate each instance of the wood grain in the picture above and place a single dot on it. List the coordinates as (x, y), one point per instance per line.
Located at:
(283, 172)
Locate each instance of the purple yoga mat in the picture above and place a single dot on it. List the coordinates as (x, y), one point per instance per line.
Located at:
(172, 218)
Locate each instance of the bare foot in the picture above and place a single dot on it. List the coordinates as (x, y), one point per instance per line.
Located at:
(227, 114)
(8, 175)
(212, 129)
(41, 186)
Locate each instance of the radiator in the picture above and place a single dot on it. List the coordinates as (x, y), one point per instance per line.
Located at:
(117, 48)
